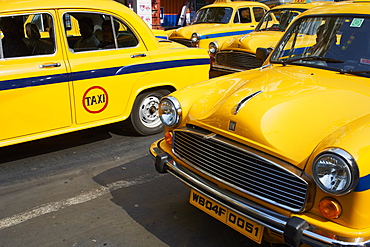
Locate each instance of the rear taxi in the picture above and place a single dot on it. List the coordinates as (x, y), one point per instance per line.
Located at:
(71, 65)
(220, 21)
(239, 53)
(282, 152)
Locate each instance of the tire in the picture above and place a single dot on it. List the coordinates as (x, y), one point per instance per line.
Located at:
(144, 117)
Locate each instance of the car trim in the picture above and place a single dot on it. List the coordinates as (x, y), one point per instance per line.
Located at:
(363, 184)
(98, 73)
(219, 35)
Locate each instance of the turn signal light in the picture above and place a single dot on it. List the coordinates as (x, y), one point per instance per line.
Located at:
(330, 208)
(168, 138)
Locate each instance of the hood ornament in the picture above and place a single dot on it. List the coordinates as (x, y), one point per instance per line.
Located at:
(244, 101)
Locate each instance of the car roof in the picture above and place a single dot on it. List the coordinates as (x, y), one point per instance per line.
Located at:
(345, 7)
(300, 5)
(13, 5)
(235, 4)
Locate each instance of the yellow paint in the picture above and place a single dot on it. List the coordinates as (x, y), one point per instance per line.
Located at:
(84, 92)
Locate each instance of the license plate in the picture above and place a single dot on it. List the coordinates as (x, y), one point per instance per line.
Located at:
(243, 225)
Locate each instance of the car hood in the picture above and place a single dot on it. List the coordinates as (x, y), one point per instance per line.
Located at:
(252, 41)
(201, 29)
(289, 117)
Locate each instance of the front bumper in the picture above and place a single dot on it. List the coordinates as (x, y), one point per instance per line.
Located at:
(295, 230)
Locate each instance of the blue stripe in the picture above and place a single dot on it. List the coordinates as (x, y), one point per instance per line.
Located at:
(161, 37)
(218, 35)
(90, 74)
(363, 184)
(33, 81)
(296, 51)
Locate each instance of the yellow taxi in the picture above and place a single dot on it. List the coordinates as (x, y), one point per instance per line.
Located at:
(282, 152)
(57, 78)
(219, 21)
(239, 53)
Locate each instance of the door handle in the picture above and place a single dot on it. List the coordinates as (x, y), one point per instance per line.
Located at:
(138, 55)
(49, 65)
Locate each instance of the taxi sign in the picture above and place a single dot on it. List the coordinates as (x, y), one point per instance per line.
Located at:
(243, 225)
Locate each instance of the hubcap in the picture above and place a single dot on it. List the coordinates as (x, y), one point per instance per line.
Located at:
(149, 112)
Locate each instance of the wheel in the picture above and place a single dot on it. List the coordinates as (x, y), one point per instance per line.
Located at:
(144, 117)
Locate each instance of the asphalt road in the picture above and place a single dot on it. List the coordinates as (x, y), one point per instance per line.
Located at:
(98, 188)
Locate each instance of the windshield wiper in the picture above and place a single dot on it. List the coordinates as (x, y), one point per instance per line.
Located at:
(314, 58)
(342, 71)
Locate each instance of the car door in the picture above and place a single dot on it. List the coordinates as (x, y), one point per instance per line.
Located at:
(103, 74)
(34, 86)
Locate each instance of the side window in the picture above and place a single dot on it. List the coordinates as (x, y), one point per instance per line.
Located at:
(125, 36)
(116, 34)
(243, 15)
(21, 35)
(94, 31)
(258, 13)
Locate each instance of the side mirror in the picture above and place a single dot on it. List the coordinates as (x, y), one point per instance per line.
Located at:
(263, 53)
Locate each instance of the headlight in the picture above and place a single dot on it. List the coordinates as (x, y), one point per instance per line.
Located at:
(169, 111)
(195, 39)
(335, 171)
(213, 47)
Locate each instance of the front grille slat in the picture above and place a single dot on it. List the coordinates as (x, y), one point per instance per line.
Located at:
(241, 170)
(238, 59)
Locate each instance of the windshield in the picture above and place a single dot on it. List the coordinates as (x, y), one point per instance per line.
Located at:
(213, 15)
(278, 19)
(336, 42)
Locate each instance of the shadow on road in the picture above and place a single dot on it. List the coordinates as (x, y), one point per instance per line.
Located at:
(161, 207)
(64, 141)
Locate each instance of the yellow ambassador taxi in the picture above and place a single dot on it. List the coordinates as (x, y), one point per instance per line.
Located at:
(239, 53)
(54, 81)
(219, 21)
(282, 152)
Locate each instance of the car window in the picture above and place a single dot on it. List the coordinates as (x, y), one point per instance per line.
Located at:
(96, 31)
(278, 19)
(213, 15)
(337, 42)
(243, 15)
(26, 35)
(258, 13)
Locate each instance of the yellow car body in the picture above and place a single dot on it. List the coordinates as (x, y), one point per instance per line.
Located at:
(239, 53)
(56, 88)
(282, 152)
(239, 17)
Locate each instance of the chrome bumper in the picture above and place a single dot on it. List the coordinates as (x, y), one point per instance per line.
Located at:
(295, 230)
(226, 68)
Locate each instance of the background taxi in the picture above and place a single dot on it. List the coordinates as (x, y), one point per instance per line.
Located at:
(239, 53)
(283, 152)
(219, 21)
(57, 77)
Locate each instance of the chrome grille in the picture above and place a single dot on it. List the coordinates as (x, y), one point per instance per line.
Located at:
(237, 59)
(241, 169)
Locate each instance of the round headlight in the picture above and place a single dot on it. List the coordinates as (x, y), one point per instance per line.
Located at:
(169, 111)
(195, 38)
(335, 171)
(213, 47)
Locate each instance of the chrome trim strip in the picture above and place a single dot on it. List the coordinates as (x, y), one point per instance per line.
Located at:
(225, 68)
(242, 103)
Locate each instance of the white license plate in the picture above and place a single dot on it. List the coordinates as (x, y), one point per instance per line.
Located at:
(243, 225)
